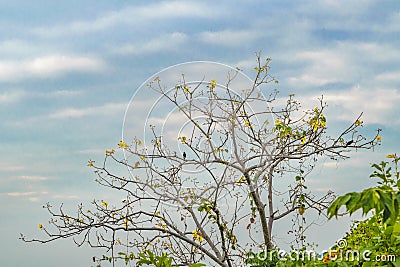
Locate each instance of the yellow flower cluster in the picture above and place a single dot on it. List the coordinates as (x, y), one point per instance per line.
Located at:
(122, 144)
(213, 84)
(110, 152)
(163, 226)
(126, 224)
(261, 69)
(317, 124)
(182, 139)
(248, 124)
(197, 237)
(90, 163)
(391, 156)
(303, 140)
(318, 121)
(241, 180)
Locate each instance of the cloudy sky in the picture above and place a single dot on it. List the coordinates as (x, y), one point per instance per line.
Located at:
(69, 68)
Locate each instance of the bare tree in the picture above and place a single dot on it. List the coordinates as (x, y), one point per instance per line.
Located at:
(213, 198)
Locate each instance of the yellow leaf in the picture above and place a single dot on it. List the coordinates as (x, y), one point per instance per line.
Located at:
(379, 138)
(390, 156)
(40, 226)
(137, 164)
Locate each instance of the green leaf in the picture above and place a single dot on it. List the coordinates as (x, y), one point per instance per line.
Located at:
(197, 265)
(353, 203)
(376, 166)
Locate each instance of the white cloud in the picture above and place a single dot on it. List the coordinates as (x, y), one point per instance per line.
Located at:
(34, 199)
(354, 161)
(10, 97)
(20, 194)
(47, 66)
(344, 62)
(61, 93)
(379, 105)
(133, 15)
(66, 196)
(50, 65)
(324, 66)
(34, 177)
(393, 24)
(229, 37)
(11, 168)
(169, 42)
(91, 151)
(15, 48)
(13, 95)
(370, 51)
(81, 112)
(385, 77)
(340, 15)
(32, 196)
(246, 64)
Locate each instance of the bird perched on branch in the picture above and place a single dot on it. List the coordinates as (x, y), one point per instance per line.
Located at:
(349, 143)
(184, 155)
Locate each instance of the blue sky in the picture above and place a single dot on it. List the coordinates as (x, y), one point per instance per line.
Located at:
(69, 68)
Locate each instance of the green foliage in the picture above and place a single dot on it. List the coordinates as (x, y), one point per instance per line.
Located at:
(151, 259)
(381, 240)
(372, 242)
(380, 234)
(383, 199)
(369, 243)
